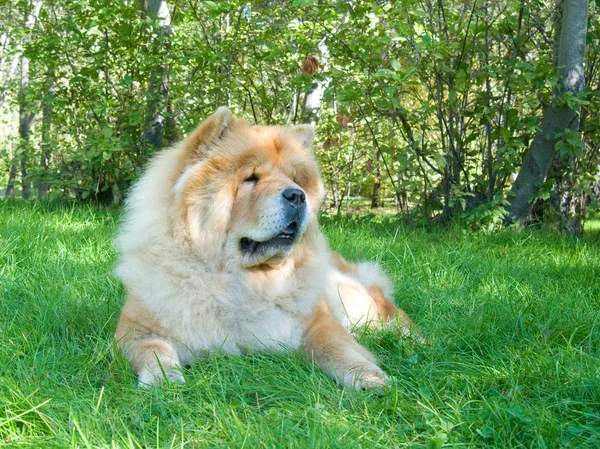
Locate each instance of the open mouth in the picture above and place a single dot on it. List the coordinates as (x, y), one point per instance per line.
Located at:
(289, 232)
(283, 239)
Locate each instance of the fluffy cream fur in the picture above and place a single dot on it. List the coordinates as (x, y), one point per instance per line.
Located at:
(191, 287)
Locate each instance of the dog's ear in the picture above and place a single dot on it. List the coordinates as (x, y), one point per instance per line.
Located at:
(306, 135)
(212, 129)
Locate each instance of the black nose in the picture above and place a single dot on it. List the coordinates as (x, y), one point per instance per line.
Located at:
(295, 197)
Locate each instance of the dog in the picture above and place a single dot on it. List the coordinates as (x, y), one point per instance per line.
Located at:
(220, 249)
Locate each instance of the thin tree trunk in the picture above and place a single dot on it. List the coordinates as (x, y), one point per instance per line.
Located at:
(293, 110)
(42, 186)
(335, 194)
(5, 79)
(453, 152)
(313, 100)
(171, 127)
(158, 88)
(25, 117)
(4, 42)
(348, 192)
(335, 182)
(376, 197)
(500, 141)
(440, 120)
(488, 123)
(25, 121)
(12, 177)
(12, 70)
(558, 117)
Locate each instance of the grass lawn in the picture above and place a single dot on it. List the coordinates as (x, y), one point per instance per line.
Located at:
(514, 360)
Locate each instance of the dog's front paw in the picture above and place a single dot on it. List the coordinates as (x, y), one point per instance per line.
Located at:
(149, 378)
(366, 377)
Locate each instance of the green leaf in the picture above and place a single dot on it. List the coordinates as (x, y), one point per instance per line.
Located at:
(440, 160)
(212, 5)
(543, 195)
(107, 132)
(562, 147)
(382, 73)
(452, 97)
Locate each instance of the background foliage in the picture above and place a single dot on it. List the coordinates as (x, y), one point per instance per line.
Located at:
(426, 107)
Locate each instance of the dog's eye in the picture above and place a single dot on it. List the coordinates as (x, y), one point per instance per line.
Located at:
(252, 179)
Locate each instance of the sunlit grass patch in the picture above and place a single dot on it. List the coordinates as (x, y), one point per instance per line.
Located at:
(592, 225)
(513, 360)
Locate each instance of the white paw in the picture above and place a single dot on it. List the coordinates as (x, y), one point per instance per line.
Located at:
(148, 378)
(365, 378)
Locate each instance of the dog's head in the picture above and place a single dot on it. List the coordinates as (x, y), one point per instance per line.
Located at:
(247, 196)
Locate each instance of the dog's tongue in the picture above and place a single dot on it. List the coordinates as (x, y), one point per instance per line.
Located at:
(291, 228)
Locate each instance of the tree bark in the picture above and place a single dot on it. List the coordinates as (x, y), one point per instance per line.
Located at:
(42, 185)
(12, 177)
(488, 122)
(558, 117)
(25, 122)
(12, 70)
(6, 77)
(26, 117)
(313, 100)
(376, 197)
(158, 88)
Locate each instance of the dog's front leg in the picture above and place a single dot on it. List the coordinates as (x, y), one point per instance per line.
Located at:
(336, 352)
(151, 356)
(154, 360)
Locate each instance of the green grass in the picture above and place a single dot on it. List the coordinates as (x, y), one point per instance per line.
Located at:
(514, 360)
(592, 225)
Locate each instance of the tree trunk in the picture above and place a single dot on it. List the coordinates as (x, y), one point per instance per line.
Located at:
(500, 143)
(12, 70)
(25, 117)
(558, 117)
(376, 197)
(12, 177)
(335, 195)
(25, 121)
(488, 122)
(158, 88)
(348, 192)
(313, 100)
(6, 77)
(42, 186)
(335, 183)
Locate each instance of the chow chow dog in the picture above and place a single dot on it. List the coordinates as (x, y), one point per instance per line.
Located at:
(220, 249)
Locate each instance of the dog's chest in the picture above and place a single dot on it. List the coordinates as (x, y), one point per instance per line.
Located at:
(240, 318)
(268, 328)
